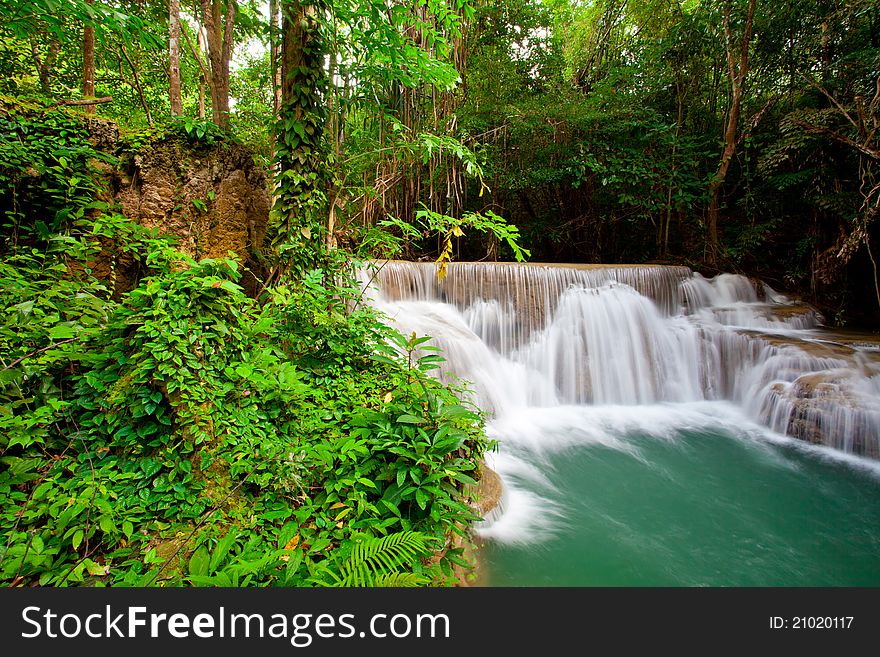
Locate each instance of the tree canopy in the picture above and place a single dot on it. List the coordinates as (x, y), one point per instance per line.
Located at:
(730, 134)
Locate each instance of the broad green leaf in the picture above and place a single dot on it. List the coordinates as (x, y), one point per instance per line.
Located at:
(61, 332)
(410, 419)
(199, 562)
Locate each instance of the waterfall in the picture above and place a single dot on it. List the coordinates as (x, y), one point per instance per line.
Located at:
(554, 336)
(654, 426)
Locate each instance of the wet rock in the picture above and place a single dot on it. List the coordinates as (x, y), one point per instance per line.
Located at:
(831, 408)
(488, 491)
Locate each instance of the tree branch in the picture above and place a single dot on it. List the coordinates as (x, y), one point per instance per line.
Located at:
(840, 108)
(86, 101)
(756, 119)
(872, 153)
(205, 73)
(35, 353)
(137, 82)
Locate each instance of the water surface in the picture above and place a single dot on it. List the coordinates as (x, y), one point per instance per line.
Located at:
(646, 496)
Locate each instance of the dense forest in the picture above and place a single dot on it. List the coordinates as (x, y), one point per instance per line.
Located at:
(182, 408)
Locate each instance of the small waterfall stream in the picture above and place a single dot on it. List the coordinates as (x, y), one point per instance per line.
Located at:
(648, 364)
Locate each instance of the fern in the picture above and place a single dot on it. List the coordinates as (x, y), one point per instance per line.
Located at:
(381, 561)
(398, 579)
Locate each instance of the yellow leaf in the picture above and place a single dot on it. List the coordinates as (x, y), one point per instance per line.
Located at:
(338, 505)
(292, 543)
(387, 398)
(305, 232)
(457, 231)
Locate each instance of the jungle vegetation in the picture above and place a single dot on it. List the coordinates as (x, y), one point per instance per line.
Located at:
(192, 430)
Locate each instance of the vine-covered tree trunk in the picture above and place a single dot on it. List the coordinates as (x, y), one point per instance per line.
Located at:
(174, 57)
(737, 70)
(88, 75)
(300, 206)
(219, 37)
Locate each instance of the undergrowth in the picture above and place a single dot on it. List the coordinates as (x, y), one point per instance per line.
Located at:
(184, 433)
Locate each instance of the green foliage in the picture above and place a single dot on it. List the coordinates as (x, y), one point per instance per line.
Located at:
(197, 131)
(450, 227)
(376, 561)
(182, 432)
(24, 18)
(631, 160)
(188, 415)
(396, 44)
(47, 166)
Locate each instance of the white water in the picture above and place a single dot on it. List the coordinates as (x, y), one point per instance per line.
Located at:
(571, 356)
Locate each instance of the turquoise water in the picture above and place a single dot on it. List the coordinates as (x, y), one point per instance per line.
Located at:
(662, 506)
(620, 465)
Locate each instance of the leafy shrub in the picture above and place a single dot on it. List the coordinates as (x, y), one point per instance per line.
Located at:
(249, 440)
(47, 167)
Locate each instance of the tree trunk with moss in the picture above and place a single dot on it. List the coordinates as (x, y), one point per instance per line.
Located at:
(301, 201)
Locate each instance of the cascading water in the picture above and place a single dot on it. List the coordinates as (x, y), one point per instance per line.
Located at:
(649, 364)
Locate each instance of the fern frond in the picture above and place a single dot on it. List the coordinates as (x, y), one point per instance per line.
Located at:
(398, 579)
(374, 560)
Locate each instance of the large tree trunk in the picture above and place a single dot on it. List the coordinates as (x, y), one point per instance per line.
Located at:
(88, 70)
(301, 203)
(302, 55)
(737, 70)
(174, 92)
(219, 37)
